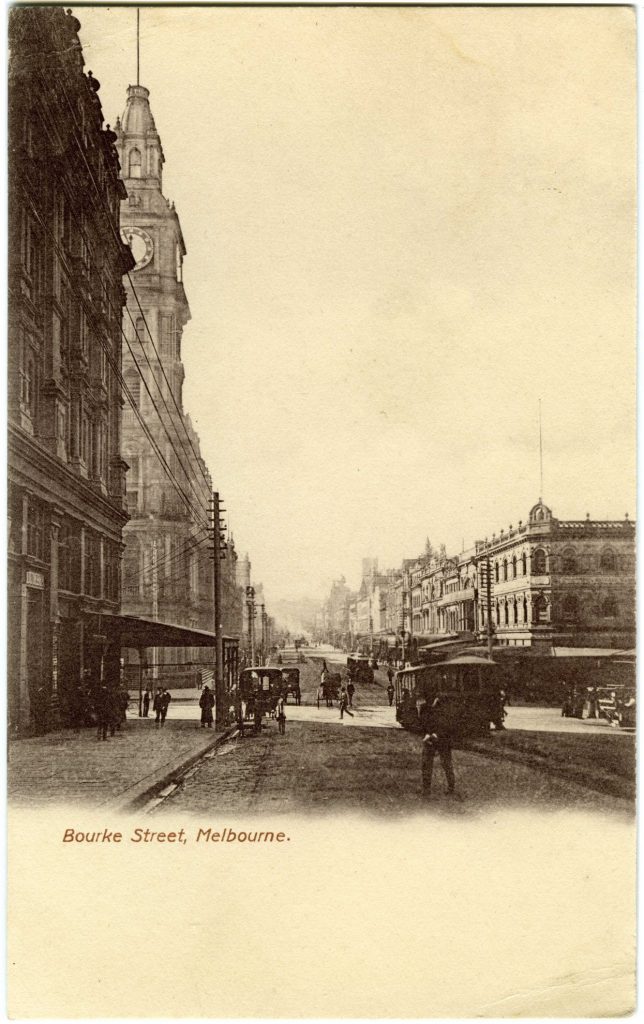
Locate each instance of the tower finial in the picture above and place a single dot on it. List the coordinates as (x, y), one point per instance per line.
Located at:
(138, 50)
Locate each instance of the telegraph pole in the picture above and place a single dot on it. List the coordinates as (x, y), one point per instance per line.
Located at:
(155, 607)
(486, 581)
(219, 553)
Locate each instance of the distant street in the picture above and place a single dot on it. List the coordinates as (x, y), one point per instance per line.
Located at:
(369, 763)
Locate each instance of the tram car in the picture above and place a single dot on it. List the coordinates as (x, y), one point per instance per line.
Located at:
(468, 682)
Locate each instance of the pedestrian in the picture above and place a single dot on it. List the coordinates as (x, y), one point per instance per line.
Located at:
(102, 711)
(498, 710)
(165, 704)
(390, 674)
(124, 703)
(280, 715)
(157, 706)
(350, 692)
(113, 709)
(146, 703)
(206, 703)
(344, 703)
(390, 692)
(438, 734)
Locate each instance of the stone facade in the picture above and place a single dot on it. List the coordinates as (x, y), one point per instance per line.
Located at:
(553, 583)
(562, 583)
(168, 571)
(66, 476)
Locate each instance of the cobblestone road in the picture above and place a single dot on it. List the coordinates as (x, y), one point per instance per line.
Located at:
(317, 768)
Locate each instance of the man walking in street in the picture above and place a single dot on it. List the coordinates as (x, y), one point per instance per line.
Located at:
(146, 703)
(344, 703)
(350, 692)
(165, 704)
(280, 715)
(102, 710)
(437, 723)
(157, 707)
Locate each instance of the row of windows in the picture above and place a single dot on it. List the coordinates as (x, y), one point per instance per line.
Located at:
(509, 569)
(69, 550)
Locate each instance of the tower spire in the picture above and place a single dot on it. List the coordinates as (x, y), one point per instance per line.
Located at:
(540, 457)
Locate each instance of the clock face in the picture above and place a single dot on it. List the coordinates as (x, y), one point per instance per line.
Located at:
(141, 245)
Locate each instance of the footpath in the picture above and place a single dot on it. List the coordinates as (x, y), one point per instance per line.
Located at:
(119, 773)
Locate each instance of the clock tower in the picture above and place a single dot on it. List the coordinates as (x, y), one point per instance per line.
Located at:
(166, 573)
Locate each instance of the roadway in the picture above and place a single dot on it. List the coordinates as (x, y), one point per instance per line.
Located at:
(369, 763)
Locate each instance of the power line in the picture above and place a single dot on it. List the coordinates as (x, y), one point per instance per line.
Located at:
(196, 511)
(167, 560)
(117, 236)
(200, 497)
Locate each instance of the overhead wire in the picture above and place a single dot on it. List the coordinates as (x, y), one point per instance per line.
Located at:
(196, 511)
(164, 563)
(117, 236)
(200, 496)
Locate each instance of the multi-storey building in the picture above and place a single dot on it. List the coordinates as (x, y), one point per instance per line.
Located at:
(551, 583)
(66, 476)
(168, 572)
(560, 582)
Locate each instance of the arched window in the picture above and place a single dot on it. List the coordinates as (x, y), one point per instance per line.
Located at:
(569, 561)
(505, 568)
(524, 564)
(514, 567)
(608, 562)
(539, 562)
(496, 572)
(135, 164)
(570, 607)
(505, 612)
(514, 612)
(525, 607)
(609, 608)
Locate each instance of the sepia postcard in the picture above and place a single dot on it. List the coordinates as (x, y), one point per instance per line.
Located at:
(321, 511)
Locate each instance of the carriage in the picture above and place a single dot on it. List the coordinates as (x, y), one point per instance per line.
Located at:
(258, 693)
(329, 688)
(359, 669)
(291, 684)
(469, 684)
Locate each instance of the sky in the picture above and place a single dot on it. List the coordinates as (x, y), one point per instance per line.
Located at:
(404, 228)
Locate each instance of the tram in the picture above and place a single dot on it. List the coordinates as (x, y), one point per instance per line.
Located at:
(469, 682)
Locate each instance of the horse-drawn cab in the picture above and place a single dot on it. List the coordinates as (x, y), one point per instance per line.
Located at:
(359, 669)
(259, 690)
(467, 685)
(329, 688)
(291, 684)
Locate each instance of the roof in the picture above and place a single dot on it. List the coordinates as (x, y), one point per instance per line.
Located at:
(134, 631)
(465, 659)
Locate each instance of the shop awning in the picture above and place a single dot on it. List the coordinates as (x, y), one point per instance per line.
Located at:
(132, 631)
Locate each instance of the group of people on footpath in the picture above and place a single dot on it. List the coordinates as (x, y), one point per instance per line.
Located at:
(160, 704)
